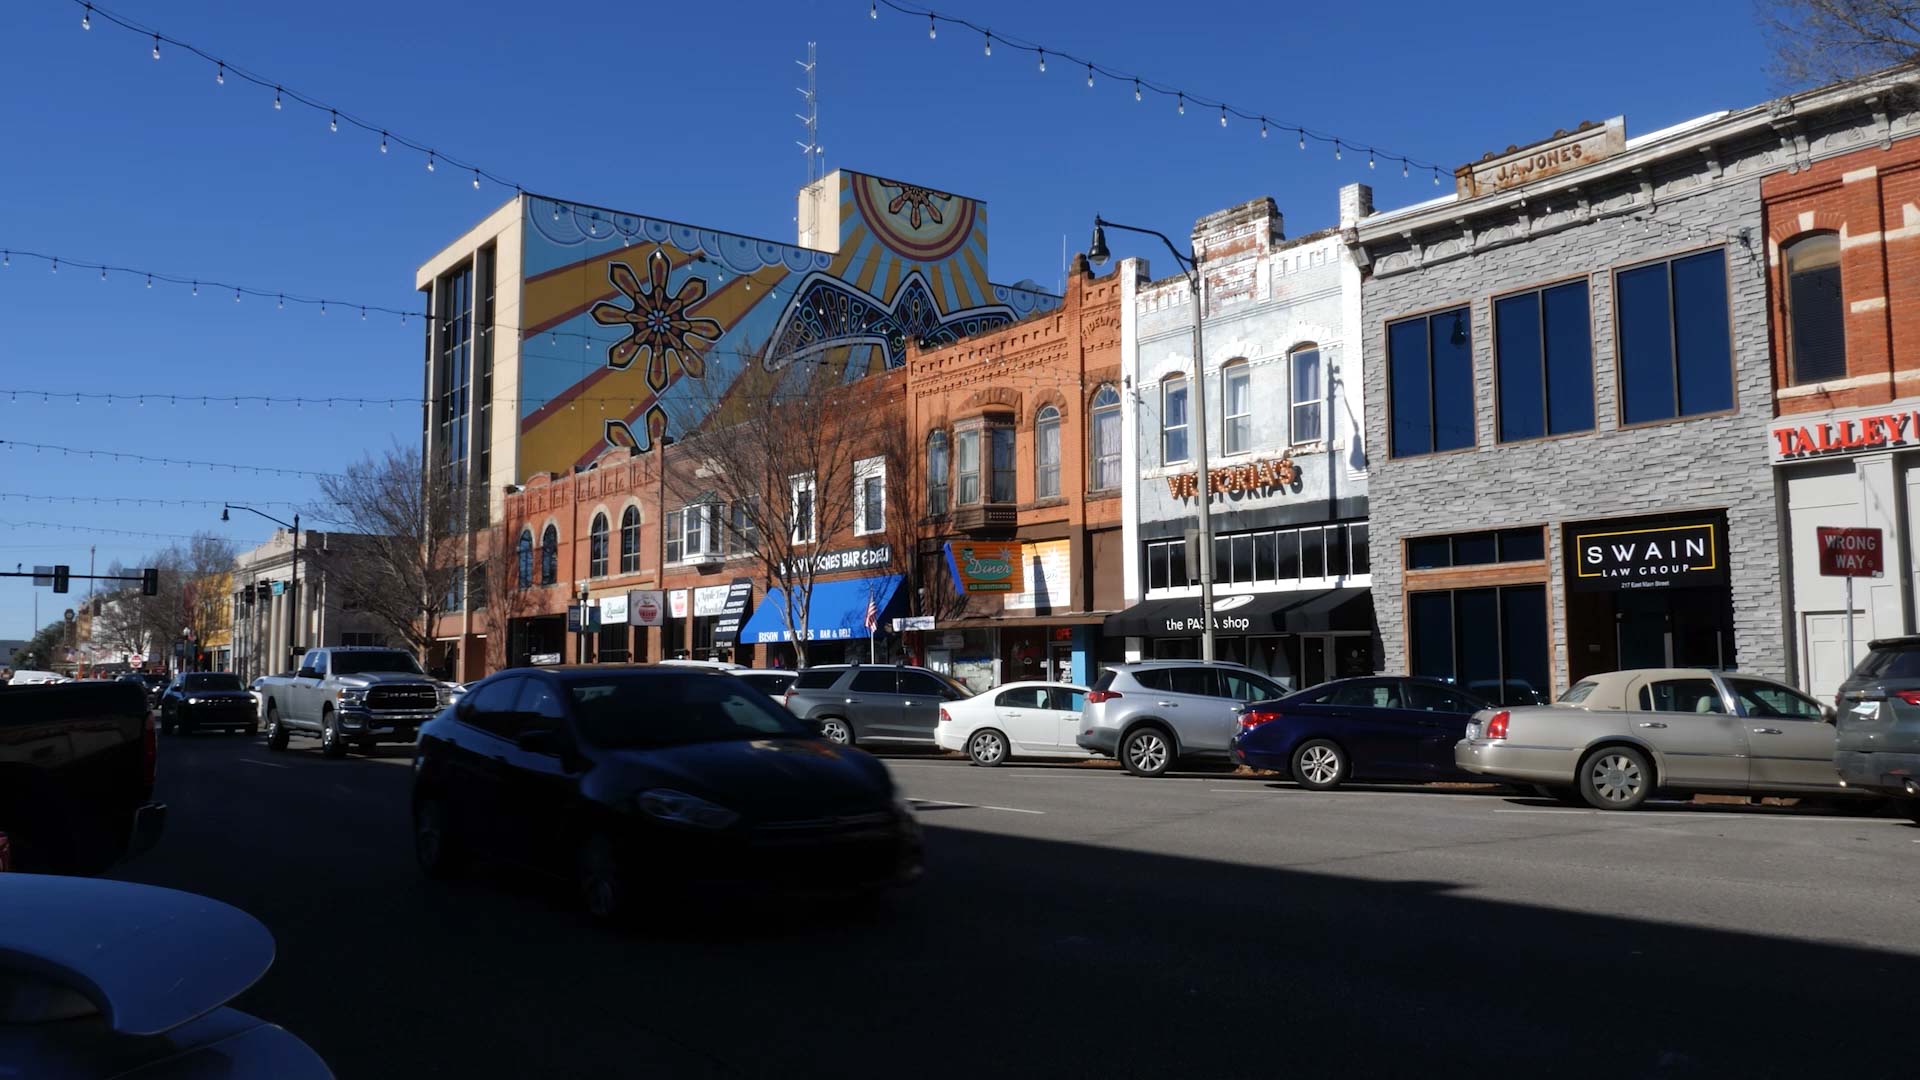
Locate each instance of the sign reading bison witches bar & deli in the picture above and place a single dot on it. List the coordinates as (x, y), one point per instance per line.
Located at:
(1617, 555)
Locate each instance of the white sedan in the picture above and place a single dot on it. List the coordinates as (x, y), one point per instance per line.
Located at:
(1023, 719)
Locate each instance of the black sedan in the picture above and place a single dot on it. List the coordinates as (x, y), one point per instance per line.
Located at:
(645, 782)
(197, 700)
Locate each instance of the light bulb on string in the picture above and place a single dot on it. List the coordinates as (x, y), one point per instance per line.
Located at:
(1043, 61)
(236, 296)
(103, 273)
(323, 307)
(1336, 149)
(873, 9)
(989, 49)
(1436, 178)
(1182, 105)
(383, 142)
(56, 266)
(1369, 157)
(196, 288)
(86, 18)
(1223, 116)
(220, 74)
(276, 99)
(333, 121)
(6, 258)
(280, 304)
(1263, 127)
(476, 179)
(1089, 76)
(429, 161)
(1136, 89)
(363, 314)
(1303, 139)
(1403, 168)
(156, 46)
(932, 30)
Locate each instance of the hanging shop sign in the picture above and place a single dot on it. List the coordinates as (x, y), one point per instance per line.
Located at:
(1848, 433)
(677, 603)
(644, 607)
(583, 618)
(1847, 552)
(613, 610)
(985, 567)
(1618, 555)
(1238, 479)
(708, 600)
(733, 611)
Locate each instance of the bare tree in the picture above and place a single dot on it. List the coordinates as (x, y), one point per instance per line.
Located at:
(194, 599)
(496, 592)
(1822, 41)
(915, 533)
(408, 562)
(767, 463)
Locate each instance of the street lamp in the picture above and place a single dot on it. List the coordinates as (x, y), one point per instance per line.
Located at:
(1189, 264)
(293, 588)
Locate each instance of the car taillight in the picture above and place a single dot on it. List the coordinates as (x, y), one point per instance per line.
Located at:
(149, 751)
(944, 718)
(1497, 724)
(1253, 718)
(1095, 697)
(1911, 697)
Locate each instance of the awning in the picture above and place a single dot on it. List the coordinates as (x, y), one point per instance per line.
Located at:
(836, 611)
(1334, 609)
(1291, 612)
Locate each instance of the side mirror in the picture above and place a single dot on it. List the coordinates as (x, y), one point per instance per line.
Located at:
(540, 742)
(1828, 714)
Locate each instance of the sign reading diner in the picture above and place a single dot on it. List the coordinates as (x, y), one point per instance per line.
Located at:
(981, 567)
(1847, 433)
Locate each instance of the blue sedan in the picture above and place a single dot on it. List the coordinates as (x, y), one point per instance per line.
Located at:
(1379, 728)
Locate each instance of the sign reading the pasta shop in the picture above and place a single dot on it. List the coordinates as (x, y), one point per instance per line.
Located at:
(1617, 555)
(1254, 476)
(980, 567)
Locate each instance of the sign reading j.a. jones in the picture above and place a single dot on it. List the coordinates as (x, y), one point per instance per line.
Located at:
(1564, 152)
(1608, 556)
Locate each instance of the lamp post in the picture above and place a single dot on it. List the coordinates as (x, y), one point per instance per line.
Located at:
(293, 588)
(660, 472)
(1189, 264)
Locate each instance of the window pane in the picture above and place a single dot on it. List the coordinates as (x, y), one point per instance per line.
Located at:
(1174, 420)
(1474, 549)
(1313, 562)
(1476, 614)
(1002, 464)
(1265, 557)
(1237, 390)
(1646, 345)
(1429, 553)
(873, 682)
(1336, 550)
(967, 455)
(1193, 680)
(1411, 401)
(1569, 336)
(1430, 633)
(1222, 558)
(1523, 646)
(1047, 435)
(1106, 446)
(1522, 545)
(1703, 333)
(1179, 574)
(1156, 566)
(1687, 696)
(1516, 341)
(1814, 309)
(1362, 558)
(1306, 396)
(1452, 343)
(1287, 543)
(1242, 560)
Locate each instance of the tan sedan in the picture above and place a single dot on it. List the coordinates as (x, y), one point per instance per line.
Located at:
(1614, 739)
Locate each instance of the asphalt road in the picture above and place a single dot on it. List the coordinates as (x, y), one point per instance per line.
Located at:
(1080, 922)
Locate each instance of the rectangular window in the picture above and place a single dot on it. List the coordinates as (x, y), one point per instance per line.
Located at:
(1156, 566)
(1242, 561)
(676, 542)
(1236, 389)
(1492, 642)
(454, 369)
(483, 391)
(1543, 359)
(1676, 344)
(966, 444)
(869, 496)
(1524, 544)
(802, 508)
(745, 527)
(1046, 457)
(1430, 369)
(1336, 551)
(1003, 463)
(1265, 556)
(1287, 544)
(699, 533)
(1357, 539)
(1308, 400)
(1313, 553)
(1173, 421)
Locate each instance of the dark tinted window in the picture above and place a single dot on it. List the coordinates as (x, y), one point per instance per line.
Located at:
(213, 681)
(1543, 353)
(1430, 370)
(540, 705)
(1155, 678)
(925, 684)
(1430, 698)
(1683, 695)
(1365, 694)
(1241, 686)
(1429, 552)
(1105, 680)
(674, 710)
(1816, 312)
(1522, 545)
(1675, 342)
(1766, 699)
(817, 678)
(1025, 697)
(492, 706)
(1357, 535)
(1894, 663)
(355, 663)
(1474, 549)
(873, 682)
(1065, 700)
(767, 684)
(1313, 553)
(1199, 681)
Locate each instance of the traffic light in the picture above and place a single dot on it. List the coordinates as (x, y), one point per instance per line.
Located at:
(60, 581)
(149, 582)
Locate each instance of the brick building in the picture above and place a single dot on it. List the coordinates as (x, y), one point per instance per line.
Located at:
(1843, 262)
(1019, 440)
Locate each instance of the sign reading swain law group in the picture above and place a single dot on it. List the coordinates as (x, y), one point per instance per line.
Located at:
(1617, 555)
(1832, 435)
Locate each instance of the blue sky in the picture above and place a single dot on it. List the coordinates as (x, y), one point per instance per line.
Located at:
(680, 111)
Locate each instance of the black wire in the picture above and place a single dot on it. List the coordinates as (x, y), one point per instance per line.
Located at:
(118, 455)
(133, 500)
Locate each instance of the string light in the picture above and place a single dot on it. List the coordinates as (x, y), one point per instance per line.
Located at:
(220, 75)
(1043, 61)
(333, 122)
(156, 46)
(276, 99)
(133, 500)
(1223, 117)
(383, 142)
(1263, 127)
(1369, 157)
(873, 10)
(1336, 149)
(86, 18)
(1136, 89)
(1183, 105)
(989, 49)
(1089, 76)
(429, 161)
(476, 179)
(933, 30)
(117, 455)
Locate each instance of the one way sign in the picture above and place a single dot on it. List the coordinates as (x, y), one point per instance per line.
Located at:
(1849, 552)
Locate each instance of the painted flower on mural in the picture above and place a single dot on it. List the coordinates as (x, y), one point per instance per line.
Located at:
(658, 326)
(620, 433)
(917, 201)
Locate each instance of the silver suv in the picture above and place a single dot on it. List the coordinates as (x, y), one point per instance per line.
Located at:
(1156, 712)
(860, 703)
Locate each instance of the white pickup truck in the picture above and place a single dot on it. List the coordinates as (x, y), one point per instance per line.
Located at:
(349, 696)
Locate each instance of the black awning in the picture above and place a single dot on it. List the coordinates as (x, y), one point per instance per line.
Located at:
(1236, 613)
(1334, 609)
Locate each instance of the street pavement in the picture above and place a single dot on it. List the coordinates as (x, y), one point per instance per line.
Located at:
(1076, 921)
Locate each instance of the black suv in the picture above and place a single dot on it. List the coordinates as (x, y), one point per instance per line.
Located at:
(1877, 731)
(869, 703)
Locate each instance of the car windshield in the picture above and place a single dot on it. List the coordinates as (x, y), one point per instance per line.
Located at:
(212, 681)
(649, 711)
(352, 663)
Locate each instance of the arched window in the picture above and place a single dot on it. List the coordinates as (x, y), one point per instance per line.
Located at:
(1046, 454)
(1106, 438)
(1236, 394)
(937, 469)
(1816, 314)
(1173, 420)
(550, 556)
(630, 540)
(597, 547)
(523, 557)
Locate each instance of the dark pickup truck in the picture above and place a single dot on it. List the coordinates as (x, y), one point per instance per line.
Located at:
(76, 776)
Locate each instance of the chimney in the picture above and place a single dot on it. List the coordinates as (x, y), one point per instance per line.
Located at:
(1251, 227)
(1356, 204)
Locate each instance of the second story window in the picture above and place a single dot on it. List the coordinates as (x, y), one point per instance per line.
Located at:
(1173, 420)
(700, 534)
(1816, 314)
(801, 518)
(1236, 391)
(597, 547)
(1046, 454)
(676, 540)
(1003, 458)
(523, 558)
(743, 531)
(1430, 383)
(1106, 438)
(1543, 362)
(937, 468)
(550, 556)
(869, 496)
(630, 540)
(1309, 394)
(1675, 340)
(966, 444)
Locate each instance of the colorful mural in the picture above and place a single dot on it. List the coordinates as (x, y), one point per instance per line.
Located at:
(619, 310)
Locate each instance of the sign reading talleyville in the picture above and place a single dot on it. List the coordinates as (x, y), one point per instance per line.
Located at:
(1616, 555)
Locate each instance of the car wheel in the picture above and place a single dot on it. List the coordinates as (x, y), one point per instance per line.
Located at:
(987, 747)
(276, 735)
(836, 731)
(1147, 751)
(331, 744)
(1616, 778)
(1320, 765)
(603, 884)
(434, 846)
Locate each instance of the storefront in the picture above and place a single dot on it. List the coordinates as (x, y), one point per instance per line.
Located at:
(1299, 637)
(1648, 592)
(845, 621)
(541, 639)
(614, 641)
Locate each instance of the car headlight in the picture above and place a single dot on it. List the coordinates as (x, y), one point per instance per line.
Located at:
(196, 701)
(445, 696)
(353, 697)
(680, 808)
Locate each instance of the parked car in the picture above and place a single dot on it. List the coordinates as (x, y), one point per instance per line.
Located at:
(350, 695)
(76, 778)
(863, 703)
(1358, 729)
(207, 699)
(1877, 729)
(714, 665)
(37, 678)
(638, 781)
(1022, 719)
(772, 682)
(153, 683)
(1155, 713)
(1615, 739)
(111, 979)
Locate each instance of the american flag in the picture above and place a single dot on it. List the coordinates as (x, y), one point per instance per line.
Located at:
(873, 613)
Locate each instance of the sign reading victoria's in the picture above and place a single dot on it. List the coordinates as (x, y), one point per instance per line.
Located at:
(981, 567)
(1657, 554)
(1849, 552)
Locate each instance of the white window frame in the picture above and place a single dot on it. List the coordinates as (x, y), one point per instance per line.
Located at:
(1232, 370)
(1185, 427)
(976, 436)
(1045, 421)
(865, 471)
(1099, 448)
(1317, 405)
(797, 483)
(699, 540)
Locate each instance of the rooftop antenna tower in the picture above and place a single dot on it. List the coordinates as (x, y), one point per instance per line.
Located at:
(816, 157)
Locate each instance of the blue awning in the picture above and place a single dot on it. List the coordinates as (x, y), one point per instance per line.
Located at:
(837, 611)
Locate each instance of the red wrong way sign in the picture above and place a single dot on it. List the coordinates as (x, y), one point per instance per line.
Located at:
(1850, 552)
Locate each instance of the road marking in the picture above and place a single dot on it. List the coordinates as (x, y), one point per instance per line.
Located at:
(1513, 811)
(972, 806)
(264, 764)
